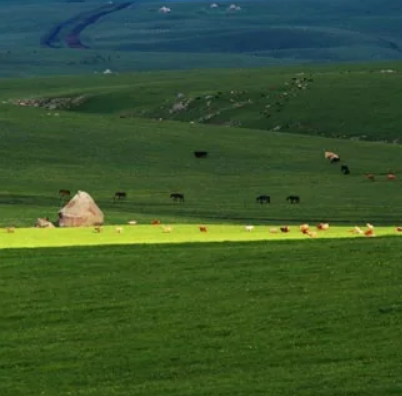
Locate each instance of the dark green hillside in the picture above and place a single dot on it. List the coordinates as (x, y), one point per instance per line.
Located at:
(44, 37)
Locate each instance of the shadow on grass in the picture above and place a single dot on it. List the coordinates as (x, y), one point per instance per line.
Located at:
(37, 200)
(189, 211)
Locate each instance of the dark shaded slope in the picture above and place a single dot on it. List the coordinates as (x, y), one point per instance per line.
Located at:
(71, 38)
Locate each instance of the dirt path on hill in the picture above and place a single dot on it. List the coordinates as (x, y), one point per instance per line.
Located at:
(68, 32)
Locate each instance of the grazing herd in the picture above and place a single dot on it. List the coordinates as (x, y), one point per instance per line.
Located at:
(335, 158)
(266, 199)
(261, 199)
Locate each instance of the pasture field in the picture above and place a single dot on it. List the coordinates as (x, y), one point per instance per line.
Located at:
(248, 313)
(177, 233)
(92, 149)
(138, 37)
(309, 317)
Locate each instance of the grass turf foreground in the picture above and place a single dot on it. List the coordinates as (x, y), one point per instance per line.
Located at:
(217, 319)
(180, 233)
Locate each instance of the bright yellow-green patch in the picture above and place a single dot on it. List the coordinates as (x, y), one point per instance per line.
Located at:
(180, 233)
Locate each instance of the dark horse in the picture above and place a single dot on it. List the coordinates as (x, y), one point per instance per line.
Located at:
(177, 197)
(293, 199)
(201, 154)
(345, 170)
(119, 195)
(263, 199)
(64, 193)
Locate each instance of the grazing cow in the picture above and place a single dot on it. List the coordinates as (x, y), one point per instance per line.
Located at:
(345, 170)
(203, 228)
(369, 233)
(119, 195)
(262, 199)
(201, 154)
(249, 228)
(167, 229)
(391, 176)
(119, 230)
(64, 193)
(177, 197)
(155, 222)
(285, 229)
(293, 199)
(98, 229)
(10, 230)
(332, 157)
(357, 230)
(370, 176)
(322, 226)
(304, 228)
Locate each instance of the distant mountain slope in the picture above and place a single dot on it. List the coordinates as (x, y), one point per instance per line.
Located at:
(141, 37)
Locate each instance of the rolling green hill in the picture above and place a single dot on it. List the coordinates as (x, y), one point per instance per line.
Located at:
(353, 101)
(94, 149)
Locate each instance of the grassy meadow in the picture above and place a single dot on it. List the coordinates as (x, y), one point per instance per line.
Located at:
(144, 312)
(99, 152)
(306, 317)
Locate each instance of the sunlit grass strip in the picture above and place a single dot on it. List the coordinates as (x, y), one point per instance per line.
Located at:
(180, 233)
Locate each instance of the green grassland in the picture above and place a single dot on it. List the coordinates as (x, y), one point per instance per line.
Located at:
(195, 36)
(99, 152)
(310, 317)
(149, 313)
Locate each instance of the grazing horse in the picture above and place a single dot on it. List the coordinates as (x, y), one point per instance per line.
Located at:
(64, 193)
(345, 170)
(370, 176)
(201, 154)
(119, 195)
(177, 197)
(263, 199)
(293, 199)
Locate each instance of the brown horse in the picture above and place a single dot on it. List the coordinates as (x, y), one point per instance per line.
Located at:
(64, 193)
(293, 199)
(263, 199)
(177, 197)
(201, 154)
(119, 195)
